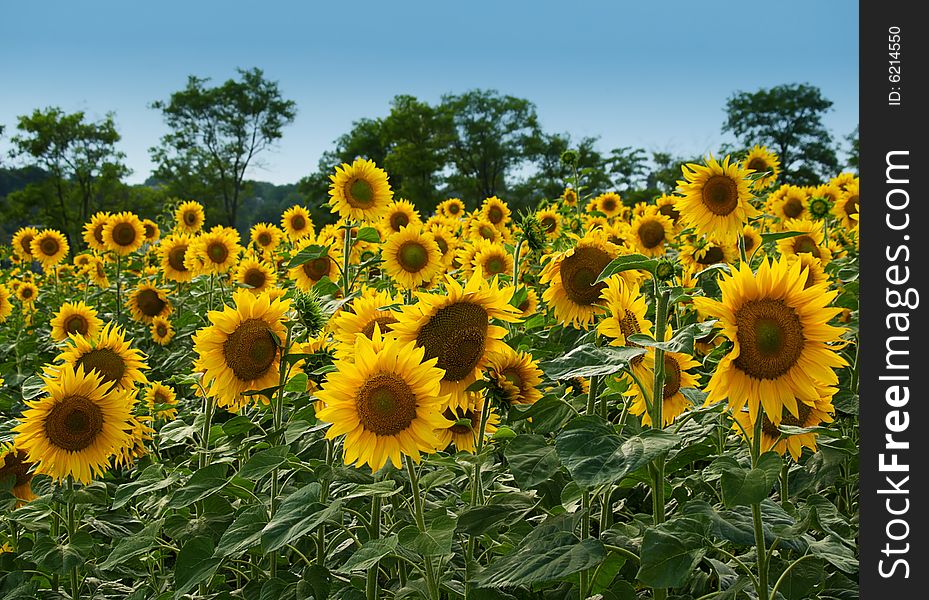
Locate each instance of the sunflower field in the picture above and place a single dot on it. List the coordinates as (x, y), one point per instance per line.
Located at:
(455, 405)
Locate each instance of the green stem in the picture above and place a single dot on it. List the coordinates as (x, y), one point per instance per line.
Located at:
(75, 578)
(324, 495)
(658, 500)
(785, 486)
(278, 422)
(119, 301)
(477, 492)
(760, 553)
(516, 257)
(374, 532)
(431, 583)
(346, 259)
(780, 579)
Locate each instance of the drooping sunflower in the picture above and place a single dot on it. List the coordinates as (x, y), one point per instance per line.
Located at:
(761, 160)
(781, 352)
(73, 430)
(147, 302)
(15, 465)
(309, 273)
(239, 350)
(22, 242)
(492, 259)
(27, 292)
(75, 317)
(256, 275)
(266, 237)
(610, 204)
(811, 241)
(49, 247)
(793, 203)
(399, 214)
(173, 250)
(214, 252)
(569, 278)
(162, 331)
(496, 212)
(6, 307)
(412, 257)
(161, 400)
(109, 355)
(676, 378)
(455, 327)
(772, 438)
(189, 217)
(626, 308)
(152, 232)
(93, 231)
(551, 222)
(466, 424)
(846, 207)
(715, 198)
(387, 402)
(517, 375)
(360, 191)
(651, 232)
(452, 208)
(297, 222)
(123, 233)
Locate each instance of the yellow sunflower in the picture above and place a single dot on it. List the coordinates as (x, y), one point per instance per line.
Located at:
(793, 203)
(842, 180)
(123, 233)
(610, 204)
(752, 240)
(626, 308)
(173, 251)
(811, 241)
(387, 402)
(399, 214)
(239, 351)
(93, 231)
(492, 259)
(530, 305)
(76, 427)
(360, 191)
(107, 354)
(27, 292)
(297, 222)
(676, 378)
(781, 340)
(309, 273)
(569, 197)
(361, 316)
(815, 273)
(466, 425)
(517, 374)
(846, 207)
(569, 276)
(15, 465)
(147, 302)
(266, 236)
(651, 232)
(496, 212)
(700, 254)
(412, 258)
(482, 229)
(761, 160)
(189, 217)
(257, 275)
(22, 242)
(75, 317)
(161, 400)
(152, 232)
(214, 252)
(162, 331)
(715, 198)
(452, 208)
(772, 438)
(49, 247)
(455, 327)
(447, 242)
(134, 448)
(550, 221)
(96, 271)
(6, 307)
(666, 205)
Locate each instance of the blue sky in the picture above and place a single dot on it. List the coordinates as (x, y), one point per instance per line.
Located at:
(654, 75)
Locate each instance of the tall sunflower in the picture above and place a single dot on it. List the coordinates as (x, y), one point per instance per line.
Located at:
(266, 237)
(569, 278)
(256, 275)
(27, 292)
(496, 212)
(214, 252)
(162, 331)
(152, 232)
(517, 375)
(173, 250)
(359, 191)
(465, 424)
(15, 465)
(453, 208)
(297, 222)
(75, 318)
(239, 350)
(412, 258)
(49, 247)
(109, 355)
(846, 207)
(387, 403)
(610, 204)
(399, 214)
(93, 231)
(651, 232)
(781, 340)
(6, 307)
(676, 378)
(123, 233)
(761, 160)
(147, 302)
(189, 217)
(76, 427)
(455, 328)
(492, 259)
(22, 242)
(715, 198)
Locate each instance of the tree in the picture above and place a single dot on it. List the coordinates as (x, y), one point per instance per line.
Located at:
(79, 155)
(629, 166)
(854, 150)
(551, 173)
(217, 134)
(787, 119)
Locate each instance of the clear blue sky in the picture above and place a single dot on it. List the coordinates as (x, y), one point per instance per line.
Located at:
(650, 74)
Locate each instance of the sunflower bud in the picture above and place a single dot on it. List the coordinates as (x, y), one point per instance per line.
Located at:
(664, 271)
(569, 158)
(309, 311)
(533, 232)
(819, 208)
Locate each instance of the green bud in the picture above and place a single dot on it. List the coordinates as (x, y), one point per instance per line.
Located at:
(309, 311)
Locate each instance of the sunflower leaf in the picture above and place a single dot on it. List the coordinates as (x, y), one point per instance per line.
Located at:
(531, 460)
(206, 481)
(33, 387)
(263, 462)
(542, 560)
(778, 235)
(682, 342)
(369, 234)
(195, 564)
(742, 487)
(588, 360)
(628, 262)
(306, 255)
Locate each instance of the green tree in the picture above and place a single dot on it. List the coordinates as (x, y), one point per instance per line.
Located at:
(80, 157)
(854, 150)
(788, 120)
(629, 167)
(216, 134)
(550, 174)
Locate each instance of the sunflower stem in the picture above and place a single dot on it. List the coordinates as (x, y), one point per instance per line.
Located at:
(431, 583)
(119, 301)
(374, 531)
(477, 495)
(75, 579)
(278, 420)
(785, 487)
(761, 556)
(346, 260)
(516, 258)
(658, 501)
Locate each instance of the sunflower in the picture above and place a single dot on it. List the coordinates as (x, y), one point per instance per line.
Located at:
(496, 212)
(529, 305)
(846, 207)
(666, 205)
(772, 438)
(810, 241)
(360, 191)
(716, 198)
(97, 273)
(82, 261)
(173, 251)
(595, 223)
(626, 308)
(49, 247)
(93, 231)
(189, 217)
(162, 331)
(610, 204)
(700, 254)
(365, 312)
(569, 197)
(550, 221)
(412, 258)
(6, 307)
(447, 242)
(676, 378)
(492, 259)
(842, 180)
(569, 276)
(256, 275)
(309, 273)
(815, 273)
(147, 302)
(266, 237)
(781, 340)
(239, 350)
(452, 208)
(455, 327)
(399, 214)
(215, 252)
(107, 354)
(77, 318)
(123, 233)
(22, 242)
(516, 374)
(297, 222)
(27, 292)
(465, 424)
(152, 232)
(793, 203)
(761, 160)
(619, 233)
(752, 240)
(640, 209)
(830, 192)
(134, 448)
(651, 232)
(15, 465)
(387, 402)
(482, 229)
(73, 430)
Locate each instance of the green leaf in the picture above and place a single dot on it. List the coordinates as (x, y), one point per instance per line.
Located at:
(593, 453)
(743, 487)
(369, 234)
(540, 562)
(152, 479)
(369, 554)
(778, 235)
(588, 360)
(244, 532)
(195, 564)
(682, 342)
(306, 255)
(531, 460)
(297, 383)
(33, 387)
(832, 550)
(263, 462)
(299, 513)
(61, 558)
(478, 519)
(548, 414)
(436, 540)
(628, 262)
(208, 480)
(668, 556)
(132, 546)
